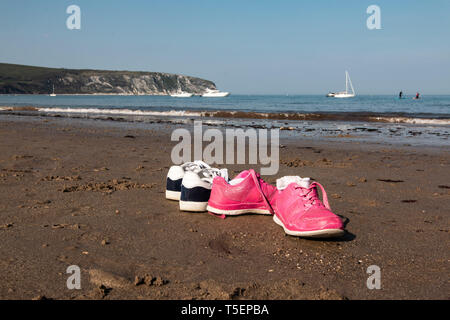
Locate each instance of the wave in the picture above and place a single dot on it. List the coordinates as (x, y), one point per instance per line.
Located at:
(173, 113)
(423, 119)
(24, 108)
(412, 120)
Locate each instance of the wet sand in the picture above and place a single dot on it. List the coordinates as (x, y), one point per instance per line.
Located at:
(91, 194)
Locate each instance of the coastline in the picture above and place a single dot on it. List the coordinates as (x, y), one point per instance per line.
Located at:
(394, 200)
(362, 126)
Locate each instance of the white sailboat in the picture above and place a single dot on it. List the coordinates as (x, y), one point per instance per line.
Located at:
(346, 93)
(53, 92)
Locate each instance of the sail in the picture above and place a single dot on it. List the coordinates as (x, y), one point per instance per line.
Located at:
(346, 93)
(347, 82)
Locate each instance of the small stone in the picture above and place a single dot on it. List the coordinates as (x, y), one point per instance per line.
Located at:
(117, 212)
(138, 280)
(195, 286)
(103, 290)
(105, 242)
(6, 225)
(159, 282)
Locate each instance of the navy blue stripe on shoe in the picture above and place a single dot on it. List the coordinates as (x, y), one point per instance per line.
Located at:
(173, 185)
(196, 194)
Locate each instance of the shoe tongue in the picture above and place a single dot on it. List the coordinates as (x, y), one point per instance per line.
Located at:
(224, 174)
(201, 164)
(243, 174)
(283, 182)
(239, 178)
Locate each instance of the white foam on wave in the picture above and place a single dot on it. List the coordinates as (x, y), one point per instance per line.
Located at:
(173, 113)
(413, 120)
(212, 114)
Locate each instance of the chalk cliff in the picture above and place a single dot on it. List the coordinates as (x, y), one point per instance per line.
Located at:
(20, 79)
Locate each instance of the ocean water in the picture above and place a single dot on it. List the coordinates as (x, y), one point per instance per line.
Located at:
(372, 117)
(431, 107)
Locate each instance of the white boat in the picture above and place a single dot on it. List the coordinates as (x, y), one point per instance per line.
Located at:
(53, 92)
(182, 95)
(215, 94)
(346, 93)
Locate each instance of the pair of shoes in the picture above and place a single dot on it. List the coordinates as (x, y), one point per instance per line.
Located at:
(294, 203)
(190, 184)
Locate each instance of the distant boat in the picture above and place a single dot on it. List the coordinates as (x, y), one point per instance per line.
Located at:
(215, 94)
(182, 95)
(53, 92)
(346, 93)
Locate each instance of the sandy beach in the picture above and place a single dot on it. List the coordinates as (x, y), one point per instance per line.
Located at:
(91, 193)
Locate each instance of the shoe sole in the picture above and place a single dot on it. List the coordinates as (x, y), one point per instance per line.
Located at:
(173, 195)
(237, 212)
(324, 233)
(193, 206)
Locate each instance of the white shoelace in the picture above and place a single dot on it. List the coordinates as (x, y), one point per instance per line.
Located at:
(210, 173)
(195, 166)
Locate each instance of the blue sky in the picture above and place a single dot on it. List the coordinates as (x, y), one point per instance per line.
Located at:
(246, 46)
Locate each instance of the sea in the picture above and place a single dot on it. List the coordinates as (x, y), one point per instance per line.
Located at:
(371, 117)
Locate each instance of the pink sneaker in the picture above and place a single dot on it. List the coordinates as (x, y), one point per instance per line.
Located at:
(247, 193)
(301, 213)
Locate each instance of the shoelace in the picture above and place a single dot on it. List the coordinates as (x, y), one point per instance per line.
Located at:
(260, 183)
(195, 166)
(210, 173)
(311, 196)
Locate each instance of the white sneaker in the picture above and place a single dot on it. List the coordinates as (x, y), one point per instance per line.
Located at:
(196, 188)
(176, 174)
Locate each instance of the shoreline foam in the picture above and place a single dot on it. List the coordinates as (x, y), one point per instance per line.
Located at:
(422, 119)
